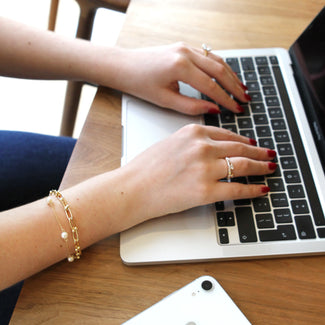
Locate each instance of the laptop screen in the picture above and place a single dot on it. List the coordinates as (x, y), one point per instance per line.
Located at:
(308, 56)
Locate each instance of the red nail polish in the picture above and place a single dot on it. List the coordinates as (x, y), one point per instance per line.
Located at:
(253, 142)
(213, 111)
(271, 153)
(265, 189)
(272, 165)
(247, 97)
(240, 109)
(243, 86)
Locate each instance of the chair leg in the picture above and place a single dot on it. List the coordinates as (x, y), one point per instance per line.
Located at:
(73, 92)
(53, 14)
(70, 109)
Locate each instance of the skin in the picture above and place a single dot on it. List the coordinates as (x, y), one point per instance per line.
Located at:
(117, 200)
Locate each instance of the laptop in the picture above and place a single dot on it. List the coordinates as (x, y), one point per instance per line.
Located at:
(287, 113)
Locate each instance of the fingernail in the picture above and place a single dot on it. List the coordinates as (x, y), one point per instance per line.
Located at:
(253, 142)
(240, 108)
(265, 189)
(271, 153)
(247, 97)
(272, 165)
(243, 86)
(213, 111)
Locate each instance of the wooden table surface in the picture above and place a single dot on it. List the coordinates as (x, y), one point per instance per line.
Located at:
(99, 289)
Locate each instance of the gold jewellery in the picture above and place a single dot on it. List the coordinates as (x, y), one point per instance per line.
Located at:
(74, 229)
(230, 168)
(206, 49)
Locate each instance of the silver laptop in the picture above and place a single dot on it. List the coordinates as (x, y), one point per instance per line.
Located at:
(287, 113)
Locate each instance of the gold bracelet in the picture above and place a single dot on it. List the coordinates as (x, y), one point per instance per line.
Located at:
(64, 234)
(73, 226)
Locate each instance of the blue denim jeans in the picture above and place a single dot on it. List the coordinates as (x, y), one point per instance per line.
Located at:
(30, 166)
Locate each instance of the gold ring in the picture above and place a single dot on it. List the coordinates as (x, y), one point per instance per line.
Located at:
(206, 49)
(230, 168)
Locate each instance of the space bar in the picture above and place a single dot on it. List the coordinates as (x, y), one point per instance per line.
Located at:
(245, 224)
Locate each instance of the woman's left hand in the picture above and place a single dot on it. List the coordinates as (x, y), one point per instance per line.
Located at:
(153, 74)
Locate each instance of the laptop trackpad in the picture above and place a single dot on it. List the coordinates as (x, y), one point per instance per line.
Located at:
(145, 124)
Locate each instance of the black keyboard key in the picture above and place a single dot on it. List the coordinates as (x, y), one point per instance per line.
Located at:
(282, 215)
(263, 70)
(269, 91)
(220, 205)
(247, 64)
(272, 101)
(225, 219)
(227, 116)
(279, 200)
(245, 223)
(264, 220)
(266, 143)
(257, 107)
(284, 149)
(275, 112)
(260, 119)
(263, 131)
(261, 60)
(278, 124)
(274, 60)
(296, 191)
(299, 206)
(248, 133)
(244, 123)
(288, 162)
(234, 64)
(255, 96)
(292, 176)
(266, 80)
(252, 86)
(261, 204)
(230, 127)
(249, 76)
(211, 119)
(275, 184)
(284, 232)
(281, 136)
(223, 236)
(305, 228)
(321, 232)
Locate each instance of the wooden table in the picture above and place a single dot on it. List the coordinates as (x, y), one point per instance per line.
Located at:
(99, 289)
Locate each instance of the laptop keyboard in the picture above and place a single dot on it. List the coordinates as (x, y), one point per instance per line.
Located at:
(288, 212)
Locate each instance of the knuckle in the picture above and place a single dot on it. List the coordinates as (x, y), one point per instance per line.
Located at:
(222, 71)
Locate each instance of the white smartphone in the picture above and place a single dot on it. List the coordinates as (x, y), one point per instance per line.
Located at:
(201, 302)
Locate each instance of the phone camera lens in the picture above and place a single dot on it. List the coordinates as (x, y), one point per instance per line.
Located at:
(206, 285)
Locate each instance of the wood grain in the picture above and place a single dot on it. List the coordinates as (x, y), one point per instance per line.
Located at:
(99, 289)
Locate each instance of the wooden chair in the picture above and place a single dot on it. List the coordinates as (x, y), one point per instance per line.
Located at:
(88, 10)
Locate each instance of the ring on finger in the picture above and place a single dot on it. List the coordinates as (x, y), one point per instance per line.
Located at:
(230, 169)
(206, 49)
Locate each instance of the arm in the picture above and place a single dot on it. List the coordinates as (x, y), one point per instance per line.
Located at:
(112, 202)
(151, 73)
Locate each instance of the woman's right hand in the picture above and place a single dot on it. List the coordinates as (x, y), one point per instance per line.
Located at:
(185, 170)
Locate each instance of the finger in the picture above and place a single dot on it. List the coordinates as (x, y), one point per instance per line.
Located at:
(244, 167)
(189, 105)
(238, 149)
(220, 134)
(235, 191)
(201, 81)
(216, 68)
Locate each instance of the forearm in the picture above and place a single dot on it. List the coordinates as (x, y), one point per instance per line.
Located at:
(30, 235)
(28, 52)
